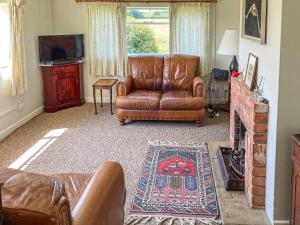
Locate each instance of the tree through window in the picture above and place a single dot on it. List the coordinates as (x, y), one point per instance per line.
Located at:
(147, 30)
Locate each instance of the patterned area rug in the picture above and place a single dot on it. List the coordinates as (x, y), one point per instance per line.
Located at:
(176, 186)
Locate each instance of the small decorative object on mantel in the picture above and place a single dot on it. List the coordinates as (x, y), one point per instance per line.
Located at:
(251, 71)
(235, 74)
(243, 74)
(254, 20)
(258, 92)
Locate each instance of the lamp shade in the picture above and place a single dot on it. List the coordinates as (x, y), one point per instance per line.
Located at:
(230, 43)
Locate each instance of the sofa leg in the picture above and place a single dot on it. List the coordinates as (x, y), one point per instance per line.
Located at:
(198, 123)
(122, 122)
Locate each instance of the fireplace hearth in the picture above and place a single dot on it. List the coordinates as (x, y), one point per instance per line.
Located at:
(243, 165)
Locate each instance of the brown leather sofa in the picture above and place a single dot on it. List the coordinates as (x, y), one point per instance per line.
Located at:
(64, 199)
(161, 88)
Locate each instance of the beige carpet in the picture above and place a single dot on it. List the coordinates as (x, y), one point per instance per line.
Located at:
(76, 140)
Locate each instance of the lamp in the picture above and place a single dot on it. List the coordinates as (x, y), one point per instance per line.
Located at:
(230, 46)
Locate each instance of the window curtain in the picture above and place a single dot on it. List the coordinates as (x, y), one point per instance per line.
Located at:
(18, 58)
(191, 32)
(107, 24)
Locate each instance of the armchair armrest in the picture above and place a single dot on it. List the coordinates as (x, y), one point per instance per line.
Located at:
(124, 87)
(198, 87)
(102, 202)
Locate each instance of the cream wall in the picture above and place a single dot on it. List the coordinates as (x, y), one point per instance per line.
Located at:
(37, 21)
(227, 17)
(75, 20)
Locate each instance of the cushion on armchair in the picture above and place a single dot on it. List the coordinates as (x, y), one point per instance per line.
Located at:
(33, 199)
(64, 199)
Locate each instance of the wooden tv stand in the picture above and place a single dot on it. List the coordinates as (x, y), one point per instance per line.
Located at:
(63, 86)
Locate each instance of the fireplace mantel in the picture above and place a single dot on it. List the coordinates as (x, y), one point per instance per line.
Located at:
(254, 115)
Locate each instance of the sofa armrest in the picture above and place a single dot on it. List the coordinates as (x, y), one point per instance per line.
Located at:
(102, 202)
(124, 87)
(198, 87)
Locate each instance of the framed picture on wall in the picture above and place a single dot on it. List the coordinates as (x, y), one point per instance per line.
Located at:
(254, 20)
(251, 71)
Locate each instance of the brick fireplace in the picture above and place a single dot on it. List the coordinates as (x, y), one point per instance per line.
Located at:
(253, 115)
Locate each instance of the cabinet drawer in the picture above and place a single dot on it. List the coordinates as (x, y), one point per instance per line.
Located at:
(73, 69)
(297, 152)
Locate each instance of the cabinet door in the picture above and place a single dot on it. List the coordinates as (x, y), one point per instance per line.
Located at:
(296, 195)
(66, 88)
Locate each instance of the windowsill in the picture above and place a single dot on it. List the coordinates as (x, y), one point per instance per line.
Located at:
(3, 68)
(4, 73)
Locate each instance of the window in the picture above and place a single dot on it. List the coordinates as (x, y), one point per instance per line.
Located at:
(4, 36)
(147, 30)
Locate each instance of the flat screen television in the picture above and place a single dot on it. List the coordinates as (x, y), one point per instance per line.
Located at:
(61, 47)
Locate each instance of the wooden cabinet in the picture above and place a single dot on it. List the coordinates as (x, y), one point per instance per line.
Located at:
(63, 86)
(295, 220)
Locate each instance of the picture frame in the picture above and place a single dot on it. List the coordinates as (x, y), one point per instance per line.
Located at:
(251, 71)
(254, 20)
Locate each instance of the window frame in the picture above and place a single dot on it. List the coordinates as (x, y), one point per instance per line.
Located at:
(146, 22)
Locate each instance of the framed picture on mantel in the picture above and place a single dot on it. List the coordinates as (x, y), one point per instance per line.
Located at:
(254, 20)
(251, 71)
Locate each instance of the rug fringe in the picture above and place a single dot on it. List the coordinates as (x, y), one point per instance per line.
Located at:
(134, 220)
(174, 143)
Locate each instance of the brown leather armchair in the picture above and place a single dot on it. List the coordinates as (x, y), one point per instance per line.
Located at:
(64, 199)
(161, 88)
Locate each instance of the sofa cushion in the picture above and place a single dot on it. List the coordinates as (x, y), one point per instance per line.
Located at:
(181, 100)
(179, 72)
(146, 72)
(139, 100)
(33, 199)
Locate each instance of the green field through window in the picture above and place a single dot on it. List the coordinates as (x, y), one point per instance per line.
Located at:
(147, 30)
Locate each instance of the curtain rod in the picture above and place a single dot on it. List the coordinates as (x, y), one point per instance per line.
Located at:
(153, 1)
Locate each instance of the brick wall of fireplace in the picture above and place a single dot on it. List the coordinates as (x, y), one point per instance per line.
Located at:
(245, 109)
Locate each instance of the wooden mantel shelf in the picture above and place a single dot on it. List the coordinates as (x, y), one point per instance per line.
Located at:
(243, 90)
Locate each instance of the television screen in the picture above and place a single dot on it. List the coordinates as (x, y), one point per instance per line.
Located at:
(61, 47)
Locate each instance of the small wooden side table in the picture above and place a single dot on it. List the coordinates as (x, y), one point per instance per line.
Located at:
(216, 82)
(104, 84)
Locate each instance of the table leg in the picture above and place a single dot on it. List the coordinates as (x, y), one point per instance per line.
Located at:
(101, 98)
(94, 95)
(111, 102)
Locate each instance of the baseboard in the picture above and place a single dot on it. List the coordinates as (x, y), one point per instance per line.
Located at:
(280, 222)
(16, 125)
(3, 114)
(105, 99)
